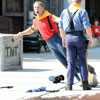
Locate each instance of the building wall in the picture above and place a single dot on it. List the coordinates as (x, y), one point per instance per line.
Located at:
(68, 2)
(60, 6)
(83, 4)
(54, 6)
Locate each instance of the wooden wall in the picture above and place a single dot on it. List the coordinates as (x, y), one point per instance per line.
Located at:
(17, 11)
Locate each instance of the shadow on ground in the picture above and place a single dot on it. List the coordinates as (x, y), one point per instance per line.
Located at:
(33, 70)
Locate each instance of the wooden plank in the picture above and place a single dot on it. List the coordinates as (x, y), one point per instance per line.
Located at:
(0, 7)
(14, 14)
(14, 6)
(3, 7)
(25, 13)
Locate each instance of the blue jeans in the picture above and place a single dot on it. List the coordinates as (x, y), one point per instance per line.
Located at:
(97, 36)
(55, 45)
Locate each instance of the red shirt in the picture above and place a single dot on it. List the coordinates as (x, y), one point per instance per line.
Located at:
(96, 30)
(44, 27)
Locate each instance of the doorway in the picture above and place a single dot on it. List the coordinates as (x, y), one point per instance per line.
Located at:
(92, 7)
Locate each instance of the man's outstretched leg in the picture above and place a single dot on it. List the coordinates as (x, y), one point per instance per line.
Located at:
(55, 45)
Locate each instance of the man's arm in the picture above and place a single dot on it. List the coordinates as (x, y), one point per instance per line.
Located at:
(55, 19)
(63, 37)
(89, 32)
(28, 31)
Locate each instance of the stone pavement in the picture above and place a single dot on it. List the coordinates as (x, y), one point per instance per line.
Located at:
(36, 70)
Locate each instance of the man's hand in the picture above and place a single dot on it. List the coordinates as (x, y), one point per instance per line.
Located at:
(91, 42)
(63, 42)
(89, 32)
(17, 36)
(63, 37)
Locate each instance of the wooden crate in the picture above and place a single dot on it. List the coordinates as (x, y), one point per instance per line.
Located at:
(11, 53)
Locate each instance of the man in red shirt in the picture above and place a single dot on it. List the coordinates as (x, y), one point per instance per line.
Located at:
(51, 36)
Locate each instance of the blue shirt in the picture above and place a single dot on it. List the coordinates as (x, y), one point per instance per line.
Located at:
(80, 20)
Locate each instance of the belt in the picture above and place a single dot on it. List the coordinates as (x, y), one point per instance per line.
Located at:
(76, 33)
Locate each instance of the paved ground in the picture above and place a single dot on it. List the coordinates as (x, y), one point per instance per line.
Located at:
(36, 70)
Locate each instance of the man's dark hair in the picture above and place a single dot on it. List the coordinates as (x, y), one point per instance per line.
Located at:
(96, 19)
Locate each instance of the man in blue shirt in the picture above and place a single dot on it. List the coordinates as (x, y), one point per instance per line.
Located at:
(73, 21)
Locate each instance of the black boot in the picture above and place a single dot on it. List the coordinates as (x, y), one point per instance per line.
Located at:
(68, 87)
(86, 85)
